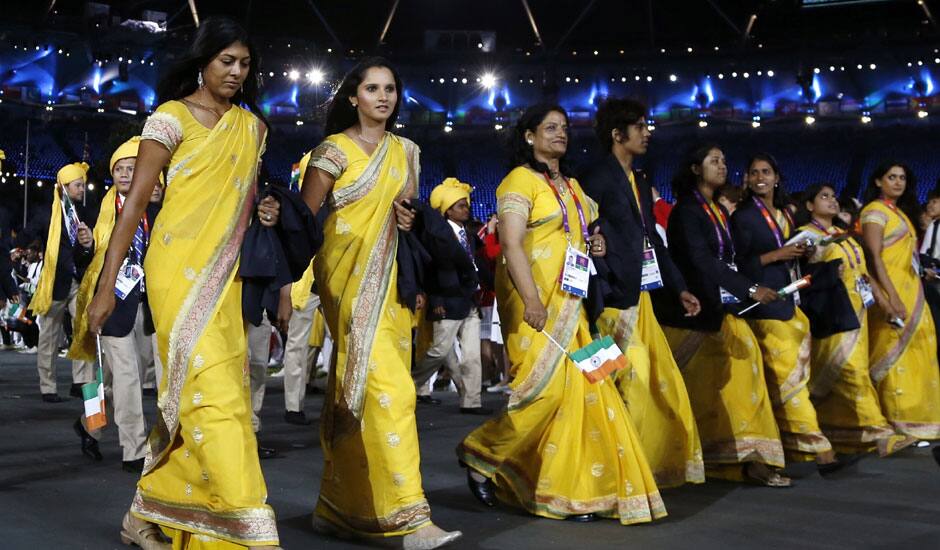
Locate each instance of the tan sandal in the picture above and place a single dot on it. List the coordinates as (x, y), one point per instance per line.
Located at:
(144, 534)
(760, 474)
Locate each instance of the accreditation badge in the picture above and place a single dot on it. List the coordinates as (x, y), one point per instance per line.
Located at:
(576, 273)
(650, 278)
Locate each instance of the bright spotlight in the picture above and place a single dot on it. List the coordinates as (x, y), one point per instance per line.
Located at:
(770, 73)
(809, 120)
(488, 80)
(703, 124)
(294, 74)
(315, 76)
(672, 78)
(448, 129)
(866, 119)
(755, 124)
(922, 114)
(91, 186)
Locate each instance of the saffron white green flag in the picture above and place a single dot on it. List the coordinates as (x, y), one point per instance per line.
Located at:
(599, 359)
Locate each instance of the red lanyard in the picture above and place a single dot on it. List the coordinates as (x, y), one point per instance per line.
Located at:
(837, 232)
(720, 228)
(771, 222)
(564, 209)
(120, 208)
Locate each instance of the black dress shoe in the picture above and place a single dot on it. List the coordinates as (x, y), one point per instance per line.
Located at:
(428, 400)
(89, 443)
(482, 411)
(834, 467)
(133, 466)
(582, 518)
(296, 417)
(266, 452)
(76, 390)
(484, 490)
(51, 398)
(936, 454)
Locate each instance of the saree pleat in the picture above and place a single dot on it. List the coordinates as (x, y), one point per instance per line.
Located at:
(202, 480)
(724, 375)
(903, 362)
(371, 482)
(564, 446)
(655, 395)
(785, 347)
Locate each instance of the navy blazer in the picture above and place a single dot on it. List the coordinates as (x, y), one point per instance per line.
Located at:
(753, 237)
(624, 230)
(694, 247)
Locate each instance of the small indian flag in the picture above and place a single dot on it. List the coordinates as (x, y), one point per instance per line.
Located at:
(295, 177)
(93, 395)
(599, 359)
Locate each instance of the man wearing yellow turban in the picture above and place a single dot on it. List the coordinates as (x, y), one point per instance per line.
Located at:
(453, 306)
(126, 343)
(68, 249)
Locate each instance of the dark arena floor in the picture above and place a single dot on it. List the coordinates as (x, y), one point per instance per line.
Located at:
(52, 497)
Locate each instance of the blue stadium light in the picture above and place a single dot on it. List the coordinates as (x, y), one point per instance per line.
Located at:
(817, 89)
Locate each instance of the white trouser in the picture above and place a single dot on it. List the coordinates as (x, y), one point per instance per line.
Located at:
(259, 352)
(468, 372)
(50, 336)
(296, 366)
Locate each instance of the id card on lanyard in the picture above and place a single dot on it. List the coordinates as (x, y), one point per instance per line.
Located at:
(650, 276)
(862, 286)
(578, 267)
(726, 297)
(132, 272)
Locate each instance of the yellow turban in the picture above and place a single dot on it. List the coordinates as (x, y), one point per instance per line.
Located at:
(448, 193)
(72, 172)
(128, 149)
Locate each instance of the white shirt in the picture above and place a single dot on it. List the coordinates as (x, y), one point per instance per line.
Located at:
(933, 228)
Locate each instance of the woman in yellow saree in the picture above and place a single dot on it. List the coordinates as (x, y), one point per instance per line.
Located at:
(902, 341)
(202, 482)
(564, 448)
(371, 484)
(761, 227)
(840, 386)
(716, 350)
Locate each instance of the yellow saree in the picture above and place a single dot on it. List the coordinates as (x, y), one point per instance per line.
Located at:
(564, 446)
(371, 482)
(903, 362)
(202, 481)
(785, 346)
(724, 374)
(840, 386)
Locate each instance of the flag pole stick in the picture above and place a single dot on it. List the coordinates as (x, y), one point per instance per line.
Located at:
(559, 346)
(748, 308)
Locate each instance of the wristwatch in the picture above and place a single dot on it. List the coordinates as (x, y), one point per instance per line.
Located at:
(752, 291)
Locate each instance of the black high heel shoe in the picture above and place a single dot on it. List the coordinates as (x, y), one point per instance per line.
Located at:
(582, 518)
(484, 491)
(89, 443)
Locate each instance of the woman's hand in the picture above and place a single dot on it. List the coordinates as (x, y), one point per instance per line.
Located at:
(789, 252)
(269, 211)
(284, 308)
(690, 303)
(765, 295)
(84, 236)
(897, 306)
(597, 245)
(100, 308)
(420, 301)
(404, 216)
(535, 314)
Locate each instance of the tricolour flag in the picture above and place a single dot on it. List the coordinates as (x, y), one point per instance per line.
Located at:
(599, 359)
(93, 395)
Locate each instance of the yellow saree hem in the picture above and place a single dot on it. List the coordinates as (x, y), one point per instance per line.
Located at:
(397, 523)
(246, 526)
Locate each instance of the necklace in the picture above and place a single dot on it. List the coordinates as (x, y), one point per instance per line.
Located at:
(204, 107)
(369, 141)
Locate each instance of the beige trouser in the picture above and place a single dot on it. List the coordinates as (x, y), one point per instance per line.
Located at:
(157, 363)
(259, 352)
(124, 358)
(50, 336)
(296, 365)
(468, 373)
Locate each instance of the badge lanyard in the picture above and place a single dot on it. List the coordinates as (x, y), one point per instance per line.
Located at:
(639, 208)
(858, 256)
(120, 208)
(564, 210)
(719, 227)
(771, 222)
(915, 260)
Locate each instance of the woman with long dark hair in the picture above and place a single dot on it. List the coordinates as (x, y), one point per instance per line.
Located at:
(716, 350)
(761, 227)
(202, 483)
(837, 306)
(564, 448)
(371, 483)
(903, 356)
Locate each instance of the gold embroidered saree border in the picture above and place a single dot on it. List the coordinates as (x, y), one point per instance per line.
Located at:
(745, 449)
(828, 373)
(407, 518)
(247, 526)
(880, 368)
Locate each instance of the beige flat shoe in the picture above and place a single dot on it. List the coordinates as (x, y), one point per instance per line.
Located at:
(143, 534)
(428, 537)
